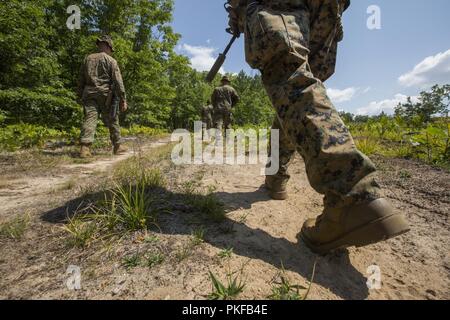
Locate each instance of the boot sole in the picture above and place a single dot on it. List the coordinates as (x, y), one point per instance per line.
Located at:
(278, 196)
(373, 232)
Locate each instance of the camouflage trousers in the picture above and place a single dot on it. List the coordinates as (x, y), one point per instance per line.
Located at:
(308, 120)
(94, 106)
(286, 151)
(222, 120)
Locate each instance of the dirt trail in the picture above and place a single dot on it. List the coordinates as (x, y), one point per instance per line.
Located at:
(413, 266)
(25, 191)
(261, 232)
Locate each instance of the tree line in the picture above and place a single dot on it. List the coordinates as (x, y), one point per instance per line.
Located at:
(40, 59)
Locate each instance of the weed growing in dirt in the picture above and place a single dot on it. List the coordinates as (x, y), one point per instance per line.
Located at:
(225, 253)
(132, 204)
(283, 289)
(405, 175)
(208, 205)
(198, 237)
(233, 287)
(82, 232)
(183, 253)
(151, 239)
(131, 261)
(154, 259)
(15, 228)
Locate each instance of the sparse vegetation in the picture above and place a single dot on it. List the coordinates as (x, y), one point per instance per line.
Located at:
(283, 289)
(225, 253)
(15, 228)
(82, 232)
(207, 204)
(154, 258)
(198, 237)
(132, 261)
(230, 290)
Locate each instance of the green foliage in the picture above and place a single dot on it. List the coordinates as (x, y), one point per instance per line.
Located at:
(431, 103)
(230, 290)
(40, 61)
(255, 107)
(82, 232)
(20, 136)
(225, 253)
(131, 204)
(131, 261)
(54, 108)
(155, 258)
(418, 130)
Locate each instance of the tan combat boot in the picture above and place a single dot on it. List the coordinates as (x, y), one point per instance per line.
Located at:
(353, 226)
(85, 151)
(277, 187)
(119, 149)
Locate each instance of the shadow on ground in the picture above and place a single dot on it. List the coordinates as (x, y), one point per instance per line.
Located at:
(334, 272)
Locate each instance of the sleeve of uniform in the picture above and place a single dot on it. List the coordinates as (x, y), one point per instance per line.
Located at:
(81, 80)
(118, 81)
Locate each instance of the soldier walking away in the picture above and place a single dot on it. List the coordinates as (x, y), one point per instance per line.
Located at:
(224, 99)
(207, 115)
(102, 92)
(294, 43)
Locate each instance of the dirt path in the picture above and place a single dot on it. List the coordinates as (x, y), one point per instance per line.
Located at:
(28, 190)
(262, 234)
(414, 266)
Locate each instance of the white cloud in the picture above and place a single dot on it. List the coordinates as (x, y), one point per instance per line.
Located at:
(202, 58)
(338, 96)
(387, 106)
(432, 70)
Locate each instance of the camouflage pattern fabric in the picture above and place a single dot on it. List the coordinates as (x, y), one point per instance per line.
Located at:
(207, 116)
(223, 99)
(286, 152)
(93, 108)
(277, 36)
(99, 74)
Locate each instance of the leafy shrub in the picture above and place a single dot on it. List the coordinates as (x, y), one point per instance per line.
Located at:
(136, 130)
(22, 136)
(53, 108)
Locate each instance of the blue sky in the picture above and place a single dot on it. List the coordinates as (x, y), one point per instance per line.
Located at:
(376, 69)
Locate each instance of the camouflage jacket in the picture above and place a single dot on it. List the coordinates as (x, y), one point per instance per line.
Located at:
(224, 98)
(99, 73)
(325, 22)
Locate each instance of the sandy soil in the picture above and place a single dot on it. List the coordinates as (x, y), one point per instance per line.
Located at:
(262, 233)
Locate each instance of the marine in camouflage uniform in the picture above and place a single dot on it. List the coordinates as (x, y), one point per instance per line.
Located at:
(224, 99)
(207, 115)
(101, 89)
(294, 43)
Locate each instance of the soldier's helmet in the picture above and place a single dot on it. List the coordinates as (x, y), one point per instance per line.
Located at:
(225, 79)
(108, 40)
